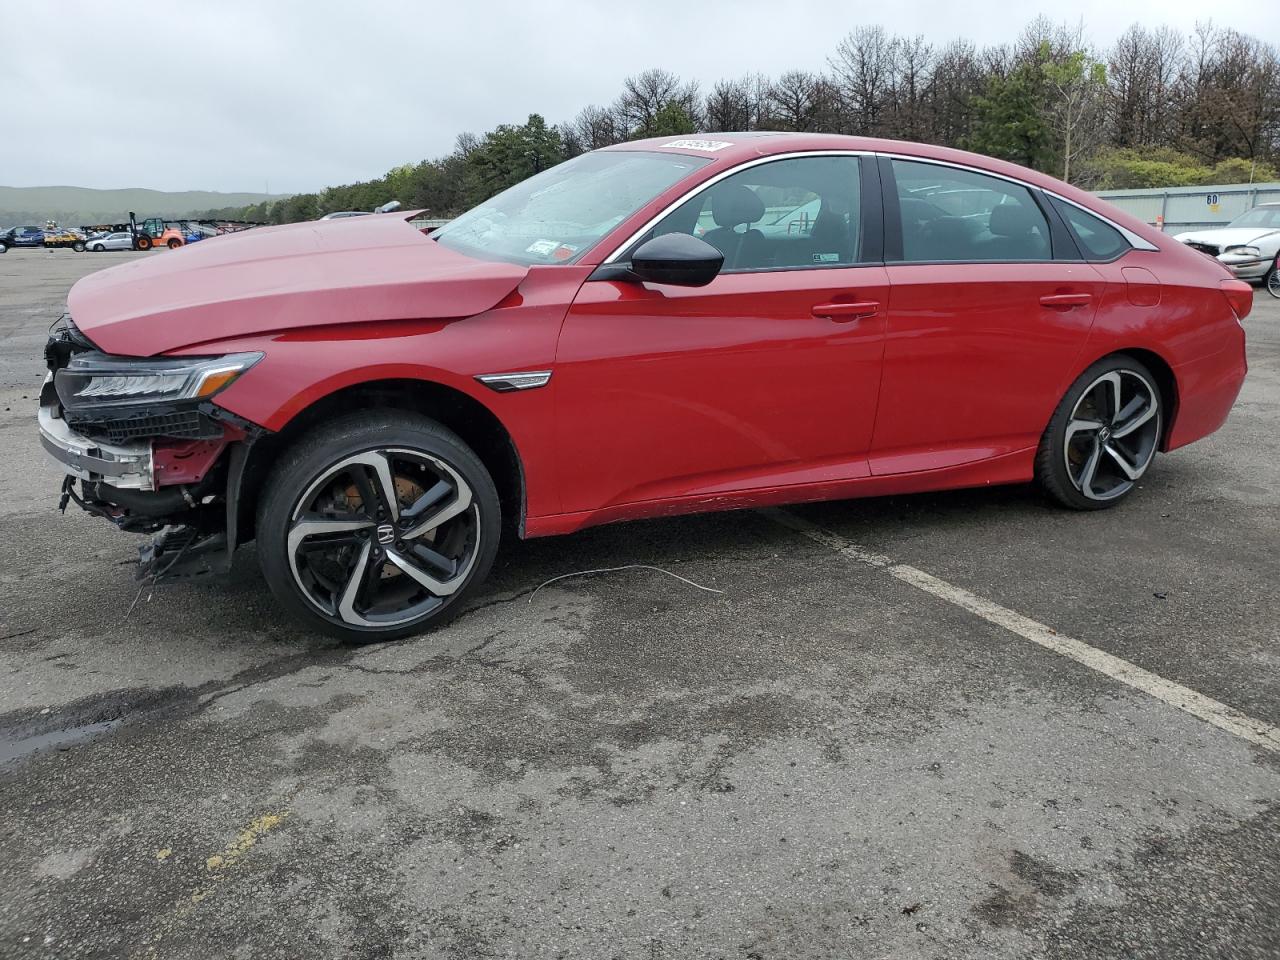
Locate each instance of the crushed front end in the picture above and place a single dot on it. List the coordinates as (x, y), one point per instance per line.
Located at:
(144, 446)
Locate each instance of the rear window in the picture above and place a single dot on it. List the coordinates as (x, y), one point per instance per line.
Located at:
(1098, 240)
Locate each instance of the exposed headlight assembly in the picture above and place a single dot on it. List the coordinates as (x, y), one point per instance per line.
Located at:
(94, 379)
(1242, 252)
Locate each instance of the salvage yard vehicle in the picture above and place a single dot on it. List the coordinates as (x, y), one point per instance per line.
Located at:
(376, 406)
(56, 238)
(1248, 246)
(110, 241)
(21, 237)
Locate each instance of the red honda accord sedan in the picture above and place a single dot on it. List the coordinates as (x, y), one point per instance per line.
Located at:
(659, 327)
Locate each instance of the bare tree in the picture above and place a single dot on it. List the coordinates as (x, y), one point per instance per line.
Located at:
(864, 65)
(799, 100)
(646, 94)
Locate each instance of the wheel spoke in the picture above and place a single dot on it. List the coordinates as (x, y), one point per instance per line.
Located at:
(347, 602)
(1080, 426)
(428, 500)
(1127, 468)
(316, 526)
(1090, 470)
(440, 588)
(452, 508)
(434, 558)
(1110, 386)
(381, 464)
(1129, 420)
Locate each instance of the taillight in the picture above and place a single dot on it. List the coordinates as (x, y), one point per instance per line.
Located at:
(1240, 295)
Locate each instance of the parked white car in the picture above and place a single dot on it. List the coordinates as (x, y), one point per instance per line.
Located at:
(1247, 246)
(110, 241)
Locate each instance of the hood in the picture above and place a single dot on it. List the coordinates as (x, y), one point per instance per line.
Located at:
(353, 270)
(1224, 237)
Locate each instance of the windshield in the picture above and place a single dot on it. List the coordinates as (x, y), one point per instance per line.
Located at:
(1261, 217)
(558, 215)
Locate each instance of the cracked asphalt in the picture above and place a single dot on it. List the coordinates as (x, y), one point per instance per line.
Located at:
(820, 762)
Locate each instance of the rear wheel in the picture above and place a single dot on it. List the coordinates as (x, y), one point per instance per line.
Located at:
(78, 246)
(97, 248)
(1103, 436)
(378, 526)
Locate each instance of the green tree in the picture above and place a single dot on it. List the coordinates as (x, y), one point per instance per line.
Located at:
(509, 154)
(1009, 119)
(672, 120)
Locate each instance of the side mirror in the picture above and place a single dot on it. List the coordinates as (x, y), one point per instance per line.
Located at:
(678, 259)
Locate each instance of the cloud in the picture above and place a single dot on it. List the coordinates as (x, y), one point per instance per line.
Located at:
(295, 95)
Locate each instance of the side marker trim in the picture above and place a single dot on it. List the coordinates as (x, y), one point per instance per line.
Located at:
(508, 382)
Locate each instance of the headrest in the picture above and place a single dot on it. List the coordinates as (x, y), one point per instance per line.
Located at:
(1011, 220)
(734, 204)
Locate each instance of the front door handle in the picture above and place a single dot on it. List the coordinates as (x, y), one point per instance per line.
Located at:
(1067, 300)
(844, 312)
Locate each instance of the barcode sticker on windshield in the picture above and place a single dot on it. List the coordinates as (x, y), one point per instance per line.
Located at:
(710, 146)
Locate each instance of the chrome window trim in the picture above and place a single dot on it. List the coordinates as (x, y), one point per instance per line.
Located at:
(1134, 240)
(724, 174)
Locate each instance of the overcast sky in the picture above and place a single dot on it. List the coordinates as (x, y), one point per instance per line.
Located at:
(300, 94)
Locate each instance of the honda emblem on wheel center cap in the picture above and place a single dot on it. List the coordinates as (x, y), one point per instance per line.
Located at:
(386, 533)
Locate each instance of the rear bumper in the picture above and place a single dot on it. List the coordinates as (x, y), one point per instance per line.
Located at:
(129, 466)
(1207, 390)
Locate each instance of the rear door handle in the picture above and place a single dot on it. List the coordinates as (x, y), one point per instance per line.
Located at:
(1067, 300)
(844, 312)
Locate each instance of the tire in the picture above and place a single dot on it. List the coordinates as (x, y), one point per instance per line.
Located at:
(1103, 436)
(1272, 281)
(144, 242)
(78, 246)
(4, 247)
(97, 248)
(174, 243)
(362, 573)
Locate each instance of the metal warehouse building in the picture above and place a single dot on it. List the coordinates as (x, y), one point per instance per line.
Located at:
(1176, 209)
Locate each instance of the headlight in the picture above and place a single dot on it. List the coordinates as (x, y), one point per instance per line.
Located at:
(93, 379)
(1242, 252)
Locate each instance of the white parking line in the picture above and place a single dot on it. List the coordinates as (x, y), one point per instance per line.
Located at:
(1185, 699)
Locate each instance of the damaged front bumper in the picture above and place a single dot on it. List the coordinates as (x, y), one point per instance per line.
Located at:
(128, 466)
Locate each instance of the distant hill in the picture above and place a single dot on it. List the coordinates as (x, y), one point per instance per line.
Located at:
(75, 205)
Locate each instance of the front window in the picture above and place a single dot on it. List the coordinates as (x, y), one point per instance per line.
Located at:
(1261, 217)
(558, 215)
(791, 213)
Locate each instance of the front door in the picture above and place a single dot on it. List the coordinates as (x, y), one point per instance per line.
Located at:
(766, 377)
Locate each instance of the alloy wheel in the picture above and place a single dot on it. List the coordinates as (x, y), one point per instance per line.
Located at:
(383, 537)
(1112, 435)
(1273, 282)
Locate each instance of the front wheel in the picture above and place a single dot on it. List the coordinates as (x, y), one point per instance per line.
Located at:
(1103, 435)
(143, 243)
(1273, 280)
(174, 243)
(3, 247)
(78, 246)
(376, 527)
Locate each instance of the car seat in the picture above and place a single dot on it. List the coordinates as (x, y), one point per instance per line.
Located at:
(735, 205)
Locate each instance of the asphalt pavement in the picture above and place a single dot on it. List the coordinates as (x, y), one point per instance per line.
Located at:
(824, 760)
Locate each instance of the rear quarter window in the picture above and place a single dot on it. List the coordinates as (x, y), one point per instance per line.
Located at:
(1097, 239)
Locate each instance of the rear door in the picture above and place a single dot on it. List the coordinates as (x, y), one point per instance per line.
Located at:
(989, 311)
(766, 377)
